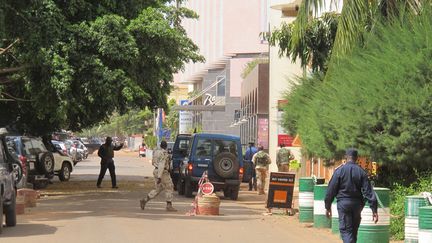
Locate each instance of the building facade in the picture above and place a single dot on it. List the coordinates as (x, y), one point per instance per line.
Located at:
(253, 117)
(228, 35)
(281, 71)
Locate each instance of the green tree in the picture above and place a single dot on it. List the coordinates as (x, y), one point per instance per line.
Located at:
(357, 18)
(71, 64)
(172, 119)
(378, 99)
(315, 50)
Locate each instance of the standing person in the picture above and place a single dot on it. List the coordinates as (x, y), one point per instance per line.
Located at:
(163, 182)
(283, 158)
(106, 152)
(250, 151)
(350, 185)
(261, 161)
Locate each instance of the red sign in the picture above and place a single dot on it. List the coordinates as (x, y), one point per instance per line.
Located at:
(207, 188)
(263, 132)
(285, 139)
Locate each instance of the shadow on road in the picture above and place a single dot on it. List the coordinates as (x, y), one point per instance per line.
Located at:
(28, 229)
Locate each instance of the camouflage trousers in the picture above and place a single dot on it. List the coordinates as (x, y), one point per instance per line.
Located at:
(166, 185)
(283, 168)
(261, 175)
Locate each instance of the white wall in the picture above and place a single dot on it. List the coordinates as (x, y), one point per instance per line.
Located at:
(281, 70)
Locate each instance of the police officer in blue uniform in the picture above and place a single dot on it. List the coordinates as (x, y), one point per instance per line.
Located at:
(350, 185)
(250, 151)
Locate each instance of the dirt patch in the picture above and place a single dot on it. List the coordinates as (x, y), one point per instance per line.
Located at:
(74, 187)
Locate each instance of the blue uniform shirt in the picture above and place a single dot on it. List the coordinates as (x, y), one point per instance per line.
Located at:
(250, 153)
(350, 182)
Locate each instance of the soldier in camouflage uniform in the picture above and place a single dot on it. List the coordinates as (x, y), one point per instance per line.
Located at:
(261, 160)
(283, 158)
(163, 182)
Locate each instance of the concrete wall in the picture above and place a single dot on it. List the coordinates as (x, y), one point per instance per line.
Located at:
(224, 28)
(281, 70)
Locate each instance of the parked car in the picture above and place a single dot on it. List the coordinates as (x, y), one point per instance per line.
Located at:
(9, 178)
(60, 146)
(92, 144)
(42, 163)
(219, 155)
(179, 152)
(81, 149)
(73, 151)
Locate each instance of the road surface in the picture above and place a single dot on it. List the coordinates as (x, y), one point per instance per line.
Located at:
(76, 211)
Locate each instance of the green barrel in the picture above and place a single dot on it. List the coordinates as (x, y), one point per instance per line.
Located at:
(369, 232)
(425, 224)
(412, 205)
(335, 218)
(306, 199)
(320, 219)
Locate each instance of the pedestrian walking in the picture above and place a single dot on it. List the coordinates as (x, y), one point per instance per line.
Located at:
(106, 153)
(351, 186)
(163, 182)
(250, 151)
(261, 161)
(283, 158)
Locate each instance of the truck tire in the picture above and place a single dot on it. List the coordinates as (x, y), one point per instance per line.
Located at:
(234, 192)
(65, 172)
(45, 164)
(10, 212)
(188, 188)
(180, 186)
(227, 193)
(18, 171)
(226, 165)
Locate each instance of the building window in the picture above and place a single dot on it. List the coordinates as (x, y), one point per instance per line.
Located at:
(220, 90)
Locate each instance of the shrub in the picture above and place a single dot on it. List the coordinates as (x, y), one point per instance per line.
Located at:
(397, 206)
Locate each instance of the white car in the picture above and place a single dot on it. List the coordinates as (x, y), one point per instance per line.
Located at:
(63, 166)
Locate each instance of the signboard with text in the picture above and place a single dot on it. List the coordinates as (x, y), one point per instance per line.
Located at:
(281, 190)
(285, 139)
(263, 132)
(185, 119)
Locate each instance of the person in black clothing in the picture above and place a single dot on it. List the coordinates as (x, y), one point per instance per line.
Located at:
(250, 151)
(106, 152)
(350, 185)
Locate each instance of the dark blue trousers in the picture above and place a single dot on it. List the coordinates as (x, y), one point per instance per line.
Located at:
(349, 219)
(111, 167)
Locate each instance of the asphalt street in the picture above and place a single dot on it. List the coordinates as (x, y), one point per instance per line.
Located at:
(76, 211)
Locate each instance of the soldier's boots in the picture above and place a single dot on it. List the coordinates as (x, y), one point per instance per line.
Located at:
(143, 202)
(170, 208)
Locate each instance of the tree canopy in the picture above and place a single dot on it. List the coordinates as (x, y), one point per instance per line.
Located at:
(71, 64)
(378, 99)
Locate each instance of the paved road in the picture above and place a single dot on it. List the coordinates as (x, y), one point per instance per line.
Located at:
(106, 215)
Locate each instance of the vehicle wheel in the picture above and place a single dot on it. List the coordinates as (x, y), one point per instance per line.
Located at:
(227, 192)
(46, 163)
(234, 192)
(10, 212)
(1, 214)
(226, 165)
(180, 186)
(17, 171)
(188, 190)
(65, 172)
